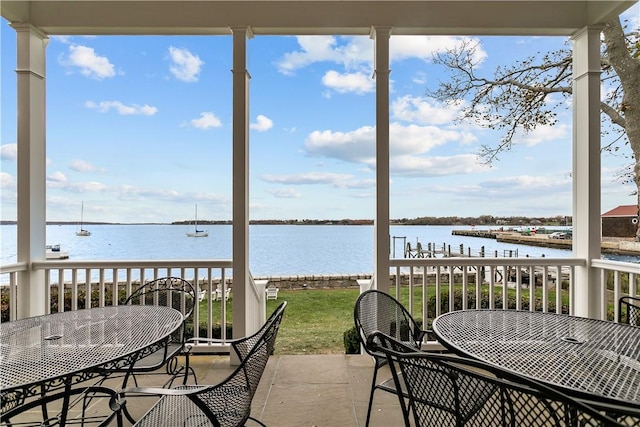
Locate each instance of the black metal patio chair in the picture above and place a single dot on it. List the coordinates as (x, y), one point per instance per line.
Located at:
(172, 292)
(629, 310)
(378, 311)
(227, 403)
(242, 346)
(445, 390)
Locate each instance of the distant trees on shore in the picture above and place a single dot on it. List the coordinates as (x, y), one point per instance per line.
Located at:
(482, 220)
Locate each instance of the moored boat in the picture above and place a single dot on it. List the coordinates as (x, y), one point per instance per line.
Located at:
(54, 252)
(196, 232)
(82, 232)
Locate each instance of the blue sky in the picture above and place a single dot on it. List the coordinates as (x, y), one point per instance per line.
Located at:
(139, 128)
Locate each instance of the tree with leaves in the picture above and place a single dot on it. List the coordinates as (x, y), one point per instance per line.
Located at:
(518, 98)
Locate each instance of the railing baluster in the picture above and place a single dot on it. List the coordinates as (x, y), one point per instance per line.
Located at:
(545, 288)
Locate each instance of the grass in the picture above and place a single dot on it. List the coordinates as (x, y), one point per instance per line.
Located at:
(315, 319)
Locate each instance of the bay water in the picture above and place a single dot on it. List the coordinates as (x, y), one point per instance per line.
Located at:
(275, 250)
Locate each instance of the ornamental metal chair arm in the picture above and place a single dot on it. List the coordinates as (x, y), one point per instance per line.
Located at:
(243, 345)
(159, 391)
(227, 403)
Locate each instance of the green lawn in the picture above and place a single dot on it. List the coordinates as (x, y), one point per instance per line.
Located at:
(316, 319)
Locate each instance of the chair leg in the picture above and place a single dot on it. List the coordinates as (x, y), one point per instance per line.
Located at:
(257, 421)
(373, 389)
(173, 371)
(188, 369)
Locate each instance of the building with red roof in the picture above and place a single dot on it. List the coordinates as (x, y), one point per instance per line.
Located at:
(621, 221)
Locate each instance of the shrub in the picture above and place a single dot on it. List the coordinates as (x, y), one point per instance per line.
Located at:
(351, 342)
(215, 331)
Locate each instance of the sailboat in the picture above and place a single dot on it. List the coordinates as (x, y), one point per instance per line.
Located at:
(196, 232)
(82, 231)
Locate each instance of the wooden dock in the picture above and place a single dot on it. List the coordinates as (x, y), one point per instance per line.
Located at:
(487, 234)
(620, 247)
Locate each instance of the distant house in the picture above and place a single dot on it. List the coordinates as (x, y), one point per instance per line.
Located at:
(620, 222)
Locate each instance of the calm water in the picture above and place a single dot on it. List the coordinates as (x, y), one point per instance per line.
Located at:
(274, 249)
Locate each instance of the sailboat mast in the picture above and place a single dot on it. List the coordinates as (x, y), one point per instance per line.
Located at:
(82, 231)
(196, 232)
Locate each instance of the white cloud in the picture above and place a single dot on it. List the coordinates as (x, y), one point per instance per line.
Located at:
(307, 178)
(337, 180)
(358, 83)
(424, 47)
(285, 193)
(353, 50)
(354, 146)
(417, 166)
(207, 120)
(61, 39)
(408, 150)
(86, 187)
(82, 166)
(9, 151)
(515, 186)
(185, 65)
(57, 177)
(424, 110)
(357, 52)
(122, 109)
(420, 78)
(262, 124)
(129, 192)
(7, 181)
(542, 134)
(88, 62)
(358, 146)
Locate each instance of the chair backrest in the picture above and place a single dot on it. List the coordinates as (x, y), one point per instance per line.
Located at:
(172, 292)
(272, 293)
(229, 402)
(449, 390)
(376, 311)
(629, 310)
(244, 345)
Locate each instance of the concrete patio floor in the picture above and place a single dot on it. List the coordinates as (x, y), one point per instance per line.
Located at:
(298, 391)
(306, 390)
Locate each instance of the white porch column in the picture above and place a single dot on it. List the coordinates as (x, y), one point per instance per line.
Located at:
(31, 168)
(381, 225)
(586, 168)
(240, 239)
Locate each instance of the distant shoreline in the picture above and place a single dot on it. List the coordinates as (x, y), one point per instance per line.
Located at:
(445, 221)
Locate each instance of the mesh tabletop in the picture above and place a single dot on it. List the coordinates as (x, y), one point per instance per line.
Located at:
(76, 345)
(588, 357)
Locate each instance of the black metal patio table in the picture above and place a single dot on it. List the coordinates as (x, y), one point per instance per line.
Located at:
(45, 353)
(587, 358)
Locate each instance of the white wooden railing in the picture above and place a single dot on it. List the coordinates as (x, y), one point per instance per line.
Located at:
(499, 278)
(85, 280)
(504, 279)
(622, 272)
